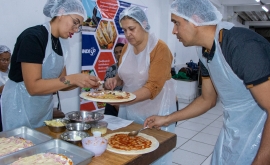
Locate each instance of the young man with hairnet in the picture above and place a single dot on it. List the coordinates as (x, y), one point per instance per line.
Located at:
(38, 67)
(235, 65)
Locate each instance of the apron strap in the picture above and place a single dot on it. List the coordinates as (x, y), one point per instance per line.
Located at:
(208, 51)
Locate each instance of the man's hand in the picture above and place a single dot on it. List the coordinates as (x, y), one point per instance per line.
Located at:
(156, 121)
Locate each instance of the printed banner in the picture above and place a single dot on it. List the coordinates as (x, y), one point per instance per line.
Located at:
(100, 33)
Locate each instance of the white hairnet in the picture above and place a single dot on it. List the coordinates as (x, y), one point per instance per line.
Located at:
(3, 49)
(138, 14)
(199, 12)
(64, 7)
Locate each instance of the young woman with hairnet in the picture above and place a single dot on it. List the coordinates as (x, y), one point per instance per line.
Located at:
(4, 64)
(235, 65)
(4, 70)
(38, 67)
(144, 70)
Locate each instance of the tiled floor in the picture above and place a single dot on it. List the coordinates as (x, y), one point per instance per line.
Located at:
(196, 137)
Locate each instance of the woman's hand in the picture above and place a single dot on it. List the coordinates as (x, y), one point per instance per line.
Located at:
(111, 83)
(84, 80)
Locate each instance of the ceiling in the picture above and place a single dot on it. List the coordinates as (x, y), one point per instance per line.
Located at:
(250, 11)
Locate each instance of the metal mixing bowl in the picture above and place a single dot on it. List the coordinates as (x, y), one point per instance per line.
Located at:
(58, 129)
(74, 137)
(86, 116)
(78, 126)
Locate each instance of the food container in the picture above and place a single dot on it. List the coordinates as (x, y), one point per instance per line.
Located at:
(74, 137)
(32, 135)
(100, 126)
(78, 155)
(97, 134)
(84, 116)
(54, 125)
(78, 126)
(95, 144)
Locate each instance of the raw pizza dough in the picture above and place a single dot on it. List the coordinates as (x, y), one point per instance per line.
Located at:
(153, 146)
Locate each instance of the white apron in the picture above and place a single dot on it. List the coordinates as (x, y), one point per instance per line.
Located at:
(19, 108)
(243, 119)
(134, 73)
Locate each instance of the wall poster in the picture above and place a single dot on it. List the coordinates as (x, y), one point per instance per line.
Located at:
(100, 33)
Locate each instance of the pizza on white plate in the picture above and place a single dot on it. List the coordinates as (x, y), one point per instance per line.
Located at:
(44, 159)
(12, 144)
(121, 143)
(106, 94)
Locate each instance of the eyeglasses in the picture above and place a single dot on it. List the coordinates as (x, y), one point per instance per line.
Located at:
(4, 60)
(76, 25)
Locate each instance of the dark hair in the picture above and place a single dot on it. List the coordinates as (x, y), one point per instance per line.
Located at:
(119, 44)
(54, 18)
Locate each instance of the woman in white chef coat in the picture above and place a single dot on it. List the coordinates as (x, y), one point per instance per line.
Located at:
(4, 63)
(38, 66)
(144, 70)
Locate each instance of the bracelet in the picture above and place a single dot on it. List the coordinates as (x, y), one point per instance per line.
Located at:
(66, 82)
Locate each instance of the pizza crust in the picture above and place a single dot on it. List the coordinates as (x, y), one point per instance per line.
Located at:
(12, 144)
(85, 95)
(44, 159)
(106, 94)
(153, 146)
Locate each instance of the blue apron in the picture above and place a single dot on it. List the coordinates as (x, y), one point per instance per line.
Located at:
(19, 108)
(243, 119)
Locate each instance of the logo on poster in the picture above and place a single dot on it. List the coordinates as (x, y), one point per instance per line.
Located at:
(91, 51)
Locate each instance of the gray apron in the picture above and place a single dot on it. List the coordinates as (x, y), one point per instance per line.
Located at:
(243, 119)
(19, 108)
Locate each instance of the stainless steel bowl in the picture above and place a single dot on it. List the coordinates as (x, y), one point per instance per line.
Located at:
(74, 137)
(86, 116)
(78, 126)
(58, 129)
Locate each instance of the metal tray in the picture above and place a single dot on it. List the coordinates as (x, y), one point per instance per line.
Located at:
(78, 155)
(28, 134)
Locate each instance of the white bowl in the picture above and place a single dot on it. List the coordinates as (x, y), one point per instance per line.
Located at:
(95, 144)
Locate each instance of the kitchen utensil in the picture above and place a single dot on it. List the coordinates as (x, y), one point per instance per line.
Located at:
(78, 126)
(84, 116)
(55, 128)
(135, 133)
(74, 137)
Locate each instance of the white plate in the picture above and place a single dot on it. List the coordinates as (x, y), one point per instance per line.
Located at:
(154, 145)
(84, 96)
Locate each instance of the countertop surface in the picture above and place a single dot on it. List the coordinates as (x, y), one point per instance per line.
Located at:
(167, 141)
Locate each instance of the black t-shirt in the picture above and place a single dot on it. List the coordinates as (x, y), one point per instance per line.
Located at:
(30, 48)
(247, 53)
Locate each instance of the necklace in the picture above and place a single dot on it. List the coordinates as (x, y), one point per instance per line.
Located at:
(55, 45)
